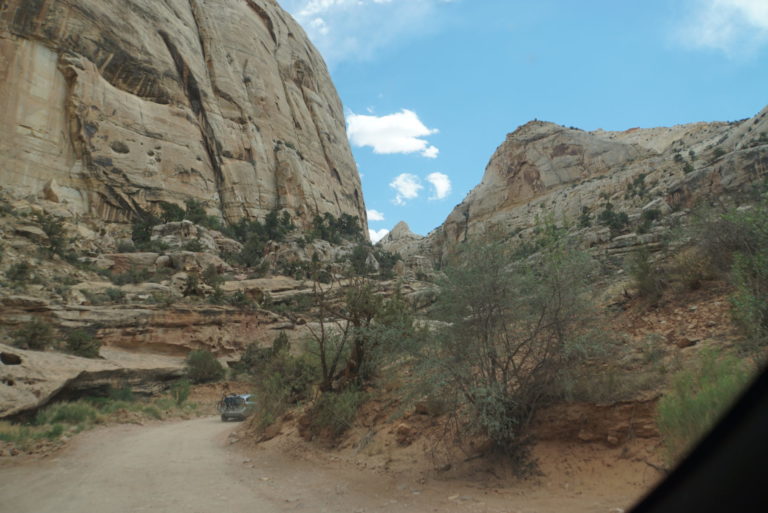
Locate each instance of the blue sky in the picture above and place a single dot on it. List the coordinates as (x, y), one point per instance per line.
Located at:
(432, 87)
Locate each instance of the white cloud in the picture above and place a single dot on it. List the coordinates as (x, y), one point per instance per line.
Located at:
(441, 184)
(732, 26)
(407, 187)
(358, 29)
(377, 235)
(375, 215)
(402, 132)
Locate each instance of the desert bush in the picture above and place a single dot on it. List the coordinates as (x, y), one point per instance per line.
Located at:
(132, 275)
(180, 391)
(54, 230)
(73, 413)
(648, 278)
(23, 435)
(505, 345)
(358, 260)
(335, 230)
(615, 221)
(690, 268)
(19, 273)
(212, 277)
(333, 412)
(196, 213)
(387, 261)
(115, 295)
(203, 367)
(282, 380)
(36, 334)
(193, 245)
(83, 343)
(170, 212)
(699, 396)
(121, 394)
(738, 241)
(750, 275)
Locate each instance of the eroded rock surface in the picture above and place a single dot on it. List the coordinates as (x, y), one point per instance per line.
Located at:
(110, 106)
(547, 172)
(29, 379)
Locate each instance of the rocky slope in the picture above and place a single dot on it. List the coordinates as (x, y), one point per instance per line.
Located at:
(110, 106)
(544, 170)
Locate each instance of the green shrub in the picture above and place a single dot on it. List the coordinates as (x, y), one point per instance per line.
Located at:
(126, 247)
(121, 394)
(170, 212)
(115, 295)
(505, 339)
(152, 411)
(194, 246)
(19, 273)
(334, 412)
(83, 343)
(585, 219)
(282, 380)
(73, 413)
(212, 277)
(616, 221)
(699, 396)
(36, 334)
(132, 275)
(180, 391)
(54, 230)
(203, 367)
(648, 278)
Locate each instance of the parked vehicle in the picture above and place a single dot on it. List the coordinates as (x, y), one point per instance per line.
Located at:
(236, 406)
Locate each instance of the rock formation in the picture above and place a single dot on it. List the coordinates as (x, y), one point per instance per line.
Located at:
(111, 106)
(30, 379)
(544, 170)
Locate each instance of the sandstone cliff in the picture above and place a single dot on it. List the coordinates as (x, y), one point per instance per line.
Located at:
(544, 170)
(110, 106)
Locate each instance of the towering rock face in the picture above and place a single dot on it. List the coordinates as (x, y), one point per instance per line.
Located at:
(544, 170)
(113, 105)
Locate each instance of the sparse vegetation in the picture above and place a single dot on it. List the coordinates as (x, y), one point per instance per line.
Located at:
(499, 357)
(19, 273)
(180, 391)
(699, 395)
(333, 413)
(82, 342)
(648, 278)
(36, 334)
(54, 230)
(203, 367)
(335, 230)
(616, 221)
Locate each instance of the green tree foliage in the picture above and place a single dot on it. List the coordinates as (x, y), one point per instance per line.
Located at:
(36, 334)
(54, 230)
(616, 221)
(737, 241)
(335, 230)
(82, 342)
(180, 391)
(647, 277)
(352, 339)
(203, 367)
(699, 396)
(171, 212)
(19, 273)
(750, 272)
(506, 337)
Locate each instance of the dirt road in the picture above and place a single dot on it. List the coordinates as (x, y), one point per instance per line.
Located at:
(161, 468)
(189, 467)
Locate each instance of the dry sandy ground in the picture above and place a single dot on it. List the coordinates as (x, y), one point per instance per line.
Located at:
(190, 467)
